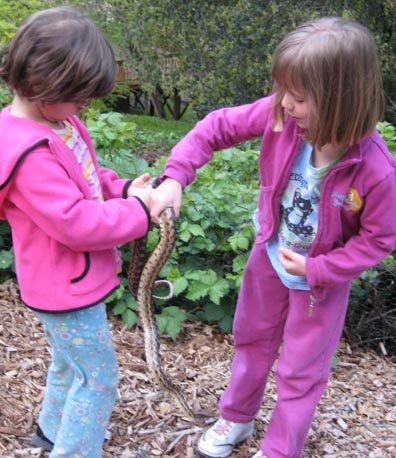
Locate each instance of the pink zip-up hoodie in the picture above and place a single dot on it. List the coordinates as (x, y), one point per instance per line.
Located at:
(357, 210)
(63, 239)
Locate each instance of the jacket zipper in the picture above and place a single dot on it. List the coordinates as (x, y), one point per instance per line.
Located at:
(311, 305)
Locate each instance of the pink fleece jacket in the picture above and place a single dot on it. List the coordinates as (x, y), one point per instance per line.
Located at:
(357, 213)
(63, 239)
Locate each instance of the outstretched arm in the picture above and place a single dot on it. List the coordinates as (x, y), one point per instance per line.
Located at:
(219, 130)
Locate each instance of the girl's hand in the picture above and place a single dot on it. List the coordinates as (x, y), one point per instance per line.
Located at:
(168, 194)
(294, 263)
(138, 189)
(139, 182)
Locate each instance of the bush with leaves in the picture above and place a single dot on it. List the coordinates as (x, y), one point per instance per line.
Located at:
(214, 235)
(7, 267)
(371, 318)
(114, 139)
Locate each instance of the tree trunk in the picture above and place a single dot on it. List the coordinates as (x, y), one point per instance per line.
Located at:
(156, 100)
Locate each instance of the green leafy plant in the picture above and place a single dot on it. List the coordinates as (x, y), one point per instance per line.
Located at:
(215, 234)
(7, 264)
(114, 139)
(5, 95)
(124, 305)
(388, 133)
(371, 319)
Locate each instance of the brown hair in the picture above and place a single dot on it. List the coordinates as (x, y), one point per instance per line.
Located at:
(333, 63)
(58, 55)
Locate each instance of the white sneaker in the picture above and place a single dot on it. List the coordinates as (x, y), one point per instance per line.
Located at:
(259, 454)
(220, 439)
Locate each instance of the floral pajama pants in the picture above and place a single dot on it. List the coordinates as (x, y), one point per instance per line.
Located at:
(81, 383)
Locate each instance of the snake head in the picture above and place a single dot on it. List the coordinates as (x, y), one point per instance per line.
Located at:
(154, 182)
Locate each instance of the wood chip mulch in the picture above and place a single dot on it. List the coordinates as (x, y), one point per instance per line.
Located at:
(356, 417)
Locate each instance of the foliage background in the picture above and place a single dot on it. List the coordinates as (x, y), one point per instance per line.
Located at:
(221, 49)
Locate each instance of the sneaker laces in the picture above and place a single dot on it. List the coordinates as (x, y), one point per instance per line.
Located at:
(223, 427)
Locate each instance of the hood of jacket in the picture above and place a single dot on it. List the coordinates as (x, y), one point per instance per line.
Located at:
(18, 138)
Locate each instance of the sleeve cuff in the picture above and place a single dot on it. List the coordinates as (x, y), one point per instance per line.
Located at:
(145, 209)
(125, 189)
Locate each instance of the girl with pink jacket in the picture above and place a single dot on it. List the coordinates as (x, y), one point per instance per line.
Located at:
(326, 212)
(67, 217)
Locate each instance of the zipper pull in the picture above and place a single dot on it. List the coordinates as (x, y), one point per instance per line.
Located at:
(311, 305)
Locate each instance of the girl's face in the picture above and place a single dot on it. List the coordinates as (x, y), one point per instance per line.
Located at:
(296, 106)
(57, 112)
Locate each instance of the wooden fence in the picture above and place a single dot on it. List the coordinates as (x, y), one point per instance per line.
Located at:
(157, 102)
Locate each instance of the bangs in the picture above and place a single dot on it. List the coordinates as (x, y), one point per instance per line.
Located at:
(288, 72)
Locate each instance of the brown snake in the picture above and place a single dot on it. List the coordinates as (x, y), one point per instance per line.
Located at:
(142, 280)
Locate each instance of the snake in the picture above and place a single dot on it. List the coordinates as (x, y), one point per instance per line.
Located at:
(142, 282)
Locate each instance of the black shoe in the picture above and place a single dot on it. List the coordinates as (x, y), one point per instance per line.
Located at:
(39, 439)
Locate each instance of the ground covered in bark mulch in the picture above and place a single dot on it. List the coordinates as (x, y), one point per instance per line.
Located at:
(356, 417)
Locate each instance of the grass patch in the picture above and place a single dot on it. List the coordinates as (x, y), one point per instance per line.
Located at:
(153, 125)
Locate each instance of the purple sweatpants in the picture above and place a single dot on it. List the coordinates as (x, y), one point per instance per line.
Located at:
(270, 316)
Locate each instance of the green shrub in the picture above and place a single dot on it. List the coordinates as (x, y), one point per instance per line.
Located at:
(7, 267)
(215, 235)
(371, 318)
(5, 95)
(115, 139)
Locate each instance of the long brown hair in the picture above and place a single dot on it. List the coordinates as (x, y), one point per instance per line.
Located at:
(58, 55)
(333, 63)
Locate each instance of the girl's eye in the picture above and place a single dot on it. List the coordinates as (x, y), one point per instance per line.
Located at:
(298, 97)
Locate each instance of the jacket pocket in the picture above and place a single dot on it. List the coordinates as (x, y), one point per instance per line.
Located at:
(99, 270)
(85, 270)
(266, 215)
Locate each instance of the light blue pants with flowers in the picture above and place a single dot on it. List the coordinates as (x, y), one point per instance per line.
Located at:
(81, 384)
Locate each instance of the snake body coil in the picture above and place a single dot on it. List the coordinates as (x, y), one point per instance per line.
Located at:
(142, 280)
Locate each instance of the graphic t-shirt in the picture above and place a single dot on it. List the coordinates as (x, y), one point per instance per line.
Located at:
(299, 214)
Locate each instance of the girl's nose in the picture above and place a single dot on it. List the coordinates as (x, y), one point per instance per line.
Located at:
(287, 102)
